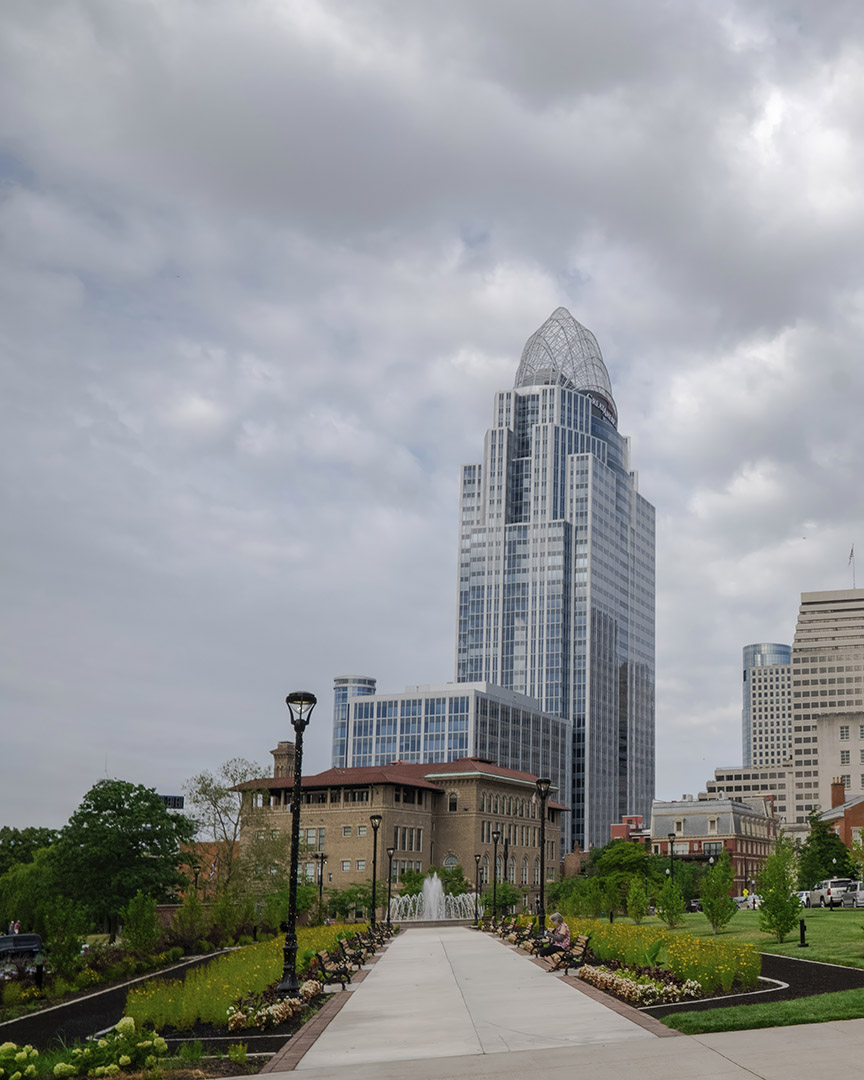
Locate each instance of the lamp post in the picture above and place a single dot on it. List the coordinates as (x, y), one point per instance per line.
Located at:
(476, 888)
(320, 858)
(543, 784)
(496, 836)
(300, 705)
(671, 856)
(375, 821)
(647, 853)
(196, 870)
(391, 851)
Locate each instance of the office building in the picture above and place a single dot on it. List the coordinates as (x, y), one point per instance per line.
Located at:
(754, 782)
(766, 715)
(556, 573)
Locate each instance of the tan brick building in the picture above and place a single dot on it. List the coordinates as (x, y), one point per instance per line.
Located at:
(432, 815)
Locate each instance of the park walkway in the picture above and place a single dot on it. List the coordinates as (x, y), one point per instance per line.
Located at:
(449, 1002)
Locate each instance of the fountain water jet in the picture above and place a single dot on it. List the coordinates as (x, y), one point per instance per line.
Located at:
(433, 905)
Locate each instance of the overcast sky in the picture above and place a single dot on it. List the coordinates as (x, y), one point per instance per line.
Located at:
(264, 266)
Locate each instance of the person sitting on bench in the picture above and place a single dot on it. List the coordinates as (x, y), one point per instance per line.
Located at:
(559, 936)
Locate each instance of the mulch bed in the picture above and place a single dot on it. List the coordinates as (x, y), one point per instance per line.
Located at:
(805, 978)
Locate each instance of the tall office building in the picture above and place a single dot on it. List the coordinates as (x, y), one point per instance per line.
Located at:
(827, 698)
(556, 573)
(766, 714)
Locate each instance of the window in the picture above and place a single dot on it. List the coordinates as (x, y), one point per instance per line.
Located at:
(844, 733)
(361, 864)
(844, 757)
(396, 836)
(361, 830)
(712, 825)
(452, 802)
(451, 861)
(346, 865)
(679, 827)
(346, 830)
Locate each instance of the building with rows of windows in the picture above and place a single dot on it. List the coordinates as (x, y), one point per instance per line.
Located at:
(438, 814)
(766, 714)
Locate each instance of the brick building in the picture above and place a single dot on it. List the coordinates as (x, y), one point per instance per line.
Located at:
(438, 814)
(846, 816)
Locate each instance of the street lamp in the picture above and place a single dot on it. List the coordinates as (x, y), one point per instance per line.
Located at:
(320, 858)
(496, 836)
(196, 870)
(375, 821)
(300, 705)
(476, 888)
(391, 851)
(671, 856)
(543, 784)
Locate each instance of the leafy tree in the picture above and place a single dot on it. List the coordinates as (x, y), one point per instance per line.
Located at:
(412, 882)
(818, 853)
(453, 879)
(20, 845)
(216, 810)
(507, 897)
(190, 923)
(28, 890)
(717, 885)
(119, 840)
(342, 903)
(276, 903)
(779, 907)
(670, 905)
(65, 924)
(141, 930)
(637, 901)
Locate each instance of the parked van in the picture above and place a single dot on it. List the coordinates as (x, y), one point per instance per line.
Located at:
(829, 893)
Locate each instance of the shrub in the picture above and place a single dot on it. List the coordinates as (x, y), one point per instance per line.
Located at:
(670, 904)
(637, 901)
(189, 924)
(237, 1053)
(717, 903)
(65, 926)
(141, 930)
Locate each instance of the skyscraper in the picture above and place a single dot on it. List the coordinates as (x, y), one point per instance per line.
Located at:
(766, 714)
(556, 573)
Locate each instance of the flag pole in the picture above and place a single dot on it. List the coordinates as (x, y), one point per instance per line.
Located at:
(852, 563)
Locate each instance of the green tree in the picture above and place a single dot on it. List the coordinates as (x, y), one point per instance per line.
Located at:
(717, 885)
(28, 890)
(779, 907)
(411, 882)
(637, 901)
(216, 811)
(818, 853)
(453, 879)
(343, 903)
(66, 923)
(190, 923)
(670, 905)
(20, 845)
(507, 897)
(119, 840)
(141, 929)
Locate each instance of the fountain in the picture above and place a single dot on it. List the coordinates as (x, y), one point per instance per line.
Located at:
(433, 905)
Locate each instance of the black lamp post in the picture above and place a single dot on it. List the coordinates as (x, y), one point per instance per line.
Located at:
(196, 870)
(671, 856)
(476, 888)
(375, 821)
(300, 705)
(647, 853)
(543, 784)
(496, 836)
(391, 851)
(320, 858)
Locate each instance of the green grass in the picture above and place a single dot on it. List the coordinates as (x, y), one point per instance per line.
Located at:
(819, 1009)
(834, 937)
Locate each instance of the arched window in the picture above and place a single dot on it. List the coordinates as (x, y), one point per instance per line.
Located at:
(496, 804)
(452, 801)
(484, 870)
(483, 803)
(536, 871)
(450, 862)
(524, 871)
(510, 807)
(499, 866)
(511, 871)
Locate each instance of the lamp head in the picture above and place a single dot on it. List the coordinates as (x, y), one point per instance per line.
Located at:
(300, 704)
(196, 869)
(496, 835)
(375, 820)
(543, 784)
(477, 860)
(671, 836)
(391, 851)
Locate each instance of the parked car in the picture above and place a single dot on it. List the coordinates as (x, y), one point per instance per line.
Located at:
(854, 895)
(829, 893)
(693, 905)
(804, 897)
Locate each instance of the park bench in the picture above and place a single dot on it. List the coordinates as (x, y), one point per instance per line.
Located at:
(353, 952)
(573, 957)
(332, 968)
(14, 945)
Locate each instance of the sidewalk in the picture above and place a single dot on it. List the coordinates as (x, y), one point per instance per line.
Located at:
(448, 1002)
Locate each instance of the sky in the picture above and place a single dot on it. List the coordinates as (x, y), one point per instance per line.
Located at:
(263, 267)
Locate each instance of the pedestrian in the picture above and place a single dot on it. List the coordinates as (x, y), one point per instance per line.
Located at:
(17, 927)
(12, 926)
(559, 936)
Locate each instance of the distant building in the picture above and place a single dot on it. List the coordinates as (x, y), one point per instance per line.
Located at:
(766, 714)
(753, 782)
(846, 816)
(703, 830)
(438, 814)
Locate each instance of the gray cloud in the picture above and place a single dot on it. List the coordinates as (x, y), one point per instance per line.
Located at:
(263, 269)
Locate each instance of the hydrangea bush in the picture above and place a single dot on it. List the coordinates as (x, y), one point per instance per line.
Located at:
(638, 989)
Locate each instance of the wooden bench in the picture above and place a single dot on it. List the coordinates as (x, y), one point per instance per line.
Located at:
(332, 968)
(573, 957)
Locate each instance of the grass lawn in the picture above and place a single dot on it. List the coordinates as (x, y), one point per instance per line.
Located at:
(834, 937)
(845, 1005)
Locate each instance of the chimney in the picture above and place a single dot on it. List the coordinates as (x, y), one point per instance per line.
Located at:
(838, 792)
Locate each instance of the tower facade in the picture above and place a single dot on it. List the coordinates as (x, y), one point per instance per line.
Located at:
(556, 573)
(766, 713)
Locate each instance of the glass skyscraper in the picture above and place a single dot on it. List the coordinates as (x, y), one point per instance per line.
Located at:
(556, 573)
(766, 713)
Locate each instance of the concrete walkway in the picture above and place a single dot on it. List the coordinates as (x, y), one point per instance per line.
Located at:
(445, 1003)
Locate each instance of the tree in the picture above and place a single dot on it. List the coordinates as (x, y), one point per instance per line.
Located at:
(670, 905)
(637, 901)
(717, 884)
(507, 896)
(28, 890)
(779, 907)
(141, 928)
(818, 853)
(119, 840)
(20, 845)
(216, 810)
(453, 879)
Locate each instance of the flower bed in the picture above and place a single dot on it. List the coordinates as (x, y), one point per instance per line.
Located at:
(638, 988)
(123, 1049)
